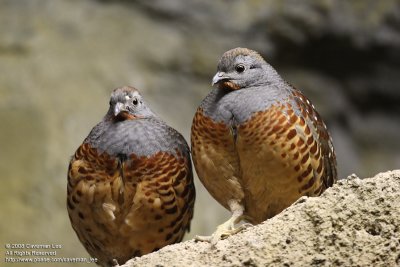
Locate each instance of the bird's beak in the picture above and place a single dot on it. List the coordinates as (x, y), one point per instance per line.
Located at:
(219, 76)
(118, 108)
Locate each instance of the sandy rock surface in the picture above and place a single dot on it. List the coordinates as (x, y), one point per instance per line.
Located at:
(354, 223)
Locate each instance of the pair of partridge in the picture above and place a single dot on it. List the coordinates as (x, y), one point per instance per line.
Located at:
(258, 145)
(130, 184)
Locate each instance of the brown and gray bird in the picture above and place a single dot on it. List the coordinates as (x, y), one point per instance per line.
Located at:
(130, 184)
(258, 144)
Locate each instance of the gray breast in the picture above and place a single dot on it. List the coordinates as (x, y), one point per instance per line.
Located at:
(142, 137)
(240, 105)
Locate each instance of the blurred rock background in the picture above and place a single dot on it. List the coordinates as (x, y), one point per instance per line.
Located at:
(59, 60)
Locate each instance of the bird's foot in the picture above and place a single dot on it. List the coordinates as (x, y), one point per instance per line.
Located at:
(223, 231)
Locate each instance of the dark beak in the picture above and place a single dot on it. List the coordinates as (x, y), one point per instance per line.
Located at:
(219, 76)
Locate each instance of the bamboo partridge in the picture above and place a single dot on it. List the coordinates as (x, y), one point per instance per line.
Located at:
(258, 144)
(130, 184)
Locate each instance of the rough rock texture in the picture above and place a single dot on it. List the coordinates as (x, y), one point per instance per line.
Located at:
(354, 223)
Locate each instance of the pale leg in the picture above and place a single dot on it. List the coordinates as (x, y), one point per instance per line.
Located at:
(227, 228)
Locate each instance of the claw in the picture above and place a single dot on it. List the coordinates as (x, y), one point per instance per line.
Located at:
(227, 228)
(223, 231)
(202, 238)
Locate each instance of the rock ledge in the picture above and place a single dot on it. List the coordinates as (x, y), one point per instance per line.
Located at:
(354, 223)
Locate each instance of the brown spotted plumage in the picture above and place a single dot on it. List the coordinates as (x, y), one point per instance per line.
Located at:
(130, 185)
(258, 144)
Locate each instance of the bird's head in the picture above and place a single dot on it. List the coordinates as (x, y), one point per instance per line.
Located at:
(126, 103)
(240, 68)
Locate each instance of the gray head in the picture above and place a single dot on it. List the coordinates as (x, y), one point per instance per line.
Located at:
(241, 67)
(126, 103)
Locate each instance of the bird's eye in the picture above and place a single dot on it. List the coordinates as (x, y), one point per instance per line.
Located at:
(135, 101)
(240, 68)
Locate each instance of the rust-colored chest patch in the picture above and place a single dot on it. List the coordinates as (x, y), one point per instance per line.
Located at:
(215, 158)
(120, 209)
(276, 156)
